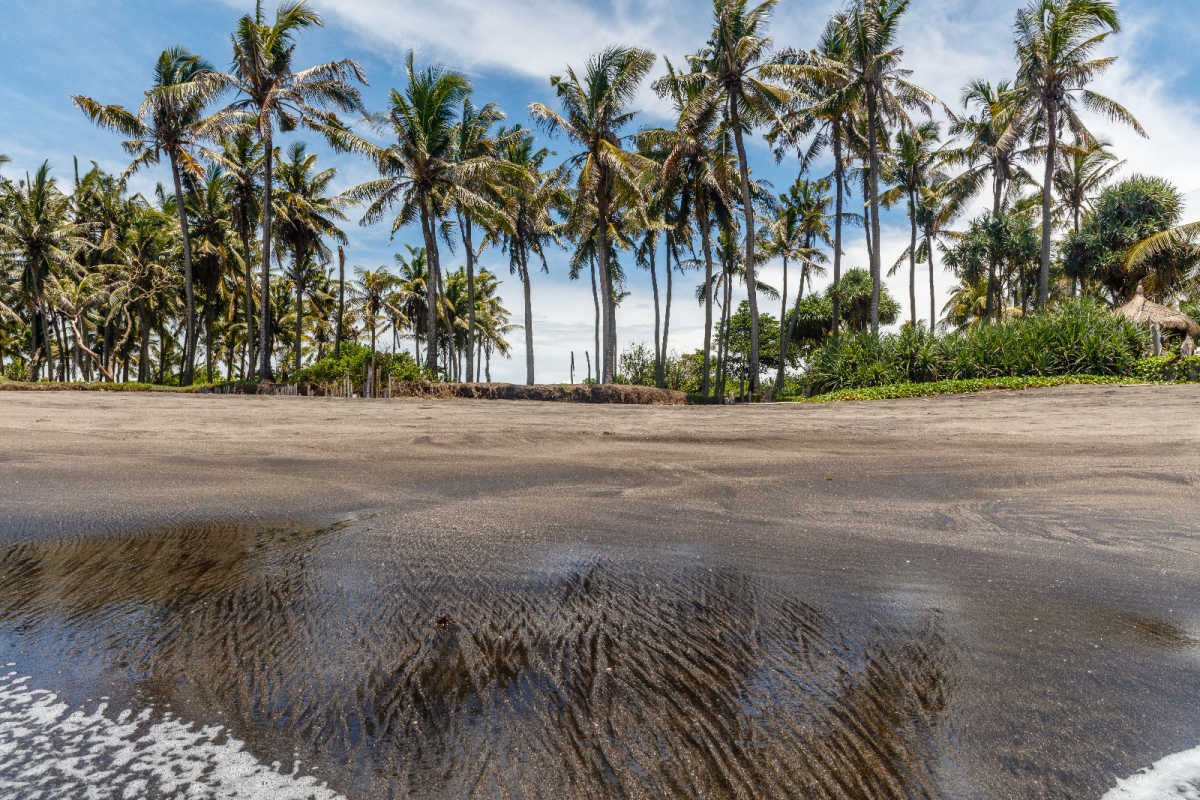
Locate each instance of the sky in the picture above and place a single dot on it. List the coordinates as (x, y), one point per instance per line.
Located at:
(53, 49)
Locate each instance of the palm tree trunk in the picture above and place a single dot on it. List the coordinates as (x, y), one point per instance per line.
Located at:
(873, 150)
(264, 323)
(596, 302)
(431, 289)
(748, 211)
(706, 243)
(465, 226)
(189, 348)
(932, 293)
(144, 345)
(244, 233)
(667, 311)
(609, 358)
(1047, 196)
(657, 318)
(299, 311)
(785, 324)
(528, 316)
(838, 179)
(912, 259)
(337, 335)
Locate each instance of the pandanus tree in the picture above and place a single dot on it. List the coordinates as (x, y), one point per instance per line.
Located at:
(307, 215)
(595, 109)
(168, 122)
(1057, 42)
(421, 174)
(271, 92)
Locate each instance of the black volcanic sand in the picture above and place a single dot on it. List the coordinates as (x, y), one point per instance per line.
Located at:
(969, 597)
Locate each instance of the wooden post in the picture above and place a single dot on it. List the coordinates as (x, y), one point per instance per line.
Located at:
(572, 367)
(1156, 332)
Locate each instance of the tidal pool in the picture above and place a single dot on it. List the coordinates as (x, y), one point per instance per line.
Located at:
(355, 660)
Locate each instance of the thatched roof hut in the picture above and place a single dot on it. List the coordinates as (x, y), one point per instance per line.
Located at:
(1142, 311)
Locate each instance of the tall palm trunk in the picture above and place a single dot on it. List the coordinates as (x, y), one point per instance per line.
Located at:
(932, 293)
(432, 286)
(144, 345)
(298, 255)
(189, 348)
(991, 300)
(838, 179)
(748, 211)
(528, 315)
(706, 243)
(873, 152)
(244, 233)
(1047, 196)
(596, 302)
(667, 311)
(657, 318)
(337, 336)
(912, 259)
(609, 358)
(785, 330)
(264, 320)
(465, 226)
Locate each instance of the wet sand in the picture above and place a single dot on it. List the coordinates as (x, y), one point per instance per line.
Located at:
(975, 596)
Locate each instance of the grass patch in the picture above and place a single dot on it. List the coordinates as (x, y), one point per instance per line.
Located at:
(965, 386)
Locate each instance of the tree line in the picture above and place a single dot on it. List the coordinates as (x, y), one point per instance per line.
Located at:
(242, 257)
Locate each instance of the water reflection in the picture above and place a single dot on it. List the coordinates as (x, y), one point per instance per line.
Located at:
(591, 676)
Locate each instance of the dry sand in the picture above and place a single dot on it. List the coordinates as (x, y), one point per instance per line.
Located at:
(1048, 539)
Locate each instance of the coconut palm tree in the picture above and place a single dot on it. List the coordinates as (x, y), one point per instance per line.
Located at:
(528, 199)
(168, 122)
(1082, 172)
(272, 92)
(872, 68)
(739, 73)
(800, 222)
(913, 158)
(1056, 44)
(595, 109)
(472, 140)
(937, 206)
(421, 173)
(413, 293)
(371, 295)
(701, 157)
(306, 216)
(38, 230)
(242, 157)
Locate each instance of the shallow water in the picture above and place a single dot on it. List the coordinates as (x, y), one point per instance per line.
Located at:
(359, 660)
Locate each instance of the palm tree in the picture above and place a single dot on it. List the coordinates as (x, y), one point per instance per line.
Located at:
(208, 204)
(242, 157)
(1082, 172)
(306, 216)
(871, 68)
(700, 155)
(271, 92)
(937, 206)
(526, 225)
(738, 72)
(413, 291)
(908, 169)
(594, 111)
(370, 296)
(1056, 40)
(801, 220)
(168, 122)
(472, 141)
(39, 231)
(421, 171)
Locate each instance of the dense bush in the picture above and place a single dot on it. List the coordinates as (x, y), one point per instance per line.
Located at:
(1074, 338)
(353, 360)
(1167, 369)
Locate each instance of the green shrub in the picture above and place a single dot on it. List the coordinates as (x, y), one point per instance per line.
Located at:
(353, 360)
(1167, 369)
(1075, 338)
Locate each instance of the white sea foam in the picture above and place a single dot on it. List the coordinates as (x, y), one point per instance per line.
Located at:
(49, 750)
(1176, 777)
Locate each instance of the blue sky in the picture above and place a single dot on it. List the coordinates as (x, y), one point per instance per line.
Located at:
(106, 48)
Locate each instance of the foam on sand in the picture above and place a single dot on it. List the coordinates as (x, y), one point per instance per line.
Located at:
(49, 750)
(1176, 777)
